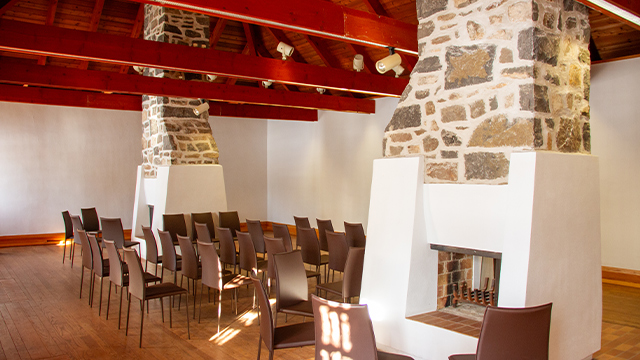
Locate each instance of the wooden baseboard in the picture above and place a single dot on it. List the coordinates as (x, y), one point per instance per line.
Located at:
(39, 239)
(620, 275)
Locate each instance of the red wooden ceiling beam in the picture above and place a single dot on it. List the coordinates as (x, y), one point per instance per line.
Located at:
(135, 32)
(51, 15)
(313, 17)
(93, 25)
(262, 112)
(54, 41)
(44, 96)
(68, 78)
(632, 6)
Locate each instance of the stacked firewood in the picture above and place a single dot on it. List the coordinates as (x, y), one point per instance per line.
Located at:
(485, 296)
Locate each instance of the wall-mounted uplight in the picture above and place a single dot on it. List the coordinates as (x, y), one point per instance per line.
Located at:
(201, 108)
(358, 62)
(284, 49)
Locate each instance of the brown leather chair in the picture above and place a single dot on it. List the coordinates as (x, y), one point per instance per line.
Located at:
(227, 250)
(100, 268)
(229, 220)
(152, 249)
(301, 223)
(87, 258)
(203, 218)
(323, 227)
(355, 234)
(191, 268)
(68, 233)
(139, 289)
(359, 330)
(338, 251)
(202, 232)
(282, 231)
(213, 277)
(282, 337)
(292, 289)
(170, 260)
(175, 225)
(248, 258)
(350, 286)
(310, 245)
(513, 333)
(77, 225)
(273, 246)
(112, 230)
(90, 221)
(257, 235)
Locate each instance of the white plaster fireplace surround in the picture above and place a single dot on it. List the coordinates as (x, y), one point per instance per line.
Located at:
(545, 222)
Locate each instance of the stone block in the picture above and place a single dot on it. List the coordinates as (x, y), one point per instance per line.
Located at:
(447, 171)
(477, 109)
(498, 131)
(538, 139)
(462, 3)
(586, 136)
(569, 136)
(520, 12)
(475, 30)
(395, 150)
(405, 93)
(426, 29)
(429, 108)
(430, 143)
(526, 97)
(486, 166)
(405, 117)
(469, 65)
(401, 137)
(440, 40)
(426, 8)
(506, 56)
(541, 98)
(521, 72)
(453, 113)
(449, 154)
(422, 94)
(427, 65)
(450, 138)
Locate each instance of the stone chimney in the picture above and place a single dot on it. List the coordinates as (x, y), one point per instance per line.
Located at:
(172, 133)
(494, 76)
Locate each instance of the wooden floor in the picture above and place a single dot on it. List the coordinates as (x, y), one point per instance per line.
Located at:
(41, 317)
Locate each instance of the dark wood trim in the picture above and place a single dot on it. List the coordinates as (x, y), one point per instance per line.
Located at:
(39, 239)
(467, 251)
(615, 59)
(618, 274)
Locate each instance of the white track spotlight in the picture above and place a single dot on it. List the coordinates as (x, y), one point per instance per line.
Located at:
(358, 62)
(211, 77)
(201, 108)
(267, 83)
(321, 90)
(398, 70)
(285, 50)
(388, 63)
(139, 69)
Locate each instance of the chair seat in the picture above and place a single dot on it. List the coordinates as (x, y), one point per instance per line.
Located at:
(164, 289)
(295, 335)
(389, 356)
(312, 274)
(463, 357)
(233, 281)
(324, 259)
(148, 277)
(130, 243)
(303, 308)
(334, 287)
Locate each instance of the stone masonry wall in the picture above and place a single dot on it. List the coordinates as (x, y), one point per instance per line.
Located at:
(172, 133)
(494, 76)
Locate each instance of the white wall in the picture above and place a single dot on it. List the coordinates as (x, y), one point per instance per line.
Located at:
(615, 130)
(55, 158)
(243, 155)
(323, 169)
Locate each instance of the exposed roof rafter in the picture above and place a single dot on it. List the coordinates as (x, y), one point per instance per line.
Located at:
(135, 32)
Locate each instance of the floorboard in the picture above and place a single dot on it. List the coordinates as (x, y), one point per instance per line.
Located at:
(42, 317)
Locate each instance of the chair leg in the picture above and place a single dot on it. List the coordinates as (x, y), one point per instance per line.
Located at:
(120, 310)
(186, 305)
(195, 293)
(72, 252)
(180, 296)
(170, 320)
(141, 320)
(100, 303)
(162, 308)
(259, 346)
(81, 280)
(64, 251)
(109, 300)
(126, 331)
(219, 308)
(91, 287)
(201, 292)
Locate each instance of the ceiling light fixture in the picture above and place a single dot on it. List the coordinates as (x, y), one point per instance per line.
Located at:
(398, 70)
(601, 5)
(321, 90)
(358, 62)
(201, 108)
(211, 77)
(284, 49)
(138, 69)
(267, 83)
(389, 62)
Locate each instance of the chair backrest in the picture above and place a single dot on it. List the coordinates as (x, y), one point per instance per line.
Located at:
(282, 231)
(98, 260)
(202, 232)
(266, 316)
(175, 225)
(112, 230)
(137, 286)
(169, 258)
(353, 273)
(203, 218)
(274, 246)
(190, 263)
(248, 258)
(77, 225)
(87, 257)
(257, 235)
(90, 219)
(515, 333)
(151, 244)
(323, 227)
(211, 267)
(338, 250)
(354, 339)
(68, 225)
(116, 270)
(229, 220)
(291, 279)
(227, 247)
(355, 234)
(301, 222)
(308, 240)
